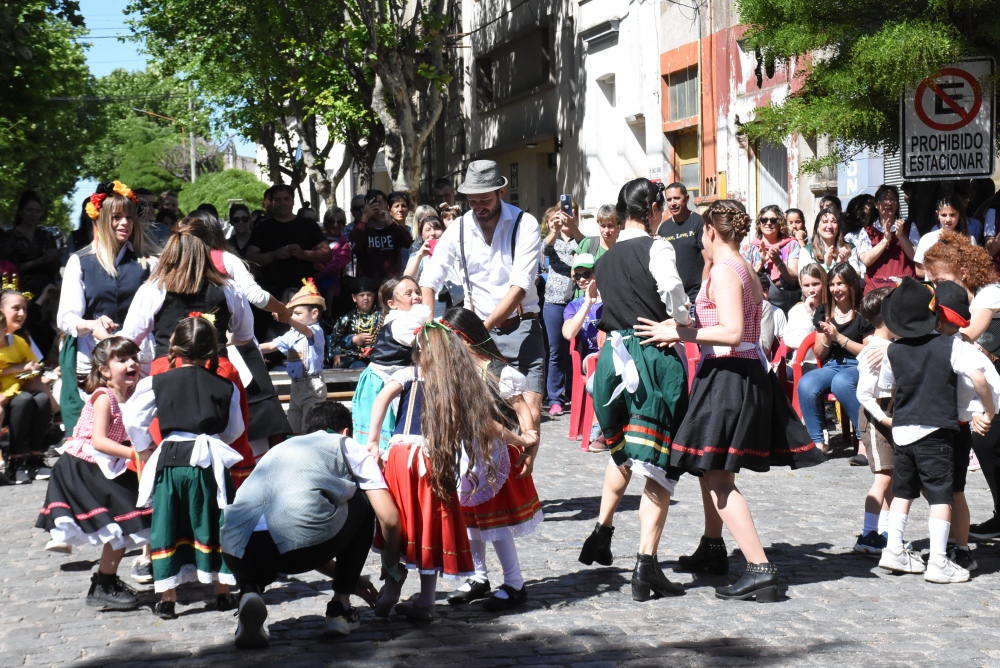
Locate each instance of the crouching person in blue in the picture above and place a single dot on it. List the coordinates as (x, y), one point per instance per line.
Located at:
(300, 510)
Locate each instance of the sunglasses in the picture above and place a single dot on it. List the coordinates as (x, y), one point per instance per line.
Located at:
(768, 221)
(582, 275)
(239, 219)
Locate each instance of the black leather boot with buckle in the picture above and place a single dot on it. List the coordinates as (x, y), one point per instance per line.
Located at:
(760, 582)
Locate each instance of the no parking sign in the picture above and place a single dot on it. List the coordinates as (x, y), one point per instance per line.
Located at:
(948, 124)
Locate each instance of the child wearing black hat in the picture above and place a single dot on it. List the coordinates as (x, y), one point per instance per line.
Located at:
(953, 312)
(354, 333)
(924, 369)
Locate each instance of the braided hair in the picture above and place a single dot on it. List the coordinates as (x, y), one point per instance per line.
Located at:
(730, 220)
(636, 199)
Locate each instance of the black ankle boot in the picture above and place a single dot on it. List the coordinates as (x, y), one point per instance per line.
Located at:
(597, 547)
(648, 581)
(710, 556)
(760, 581)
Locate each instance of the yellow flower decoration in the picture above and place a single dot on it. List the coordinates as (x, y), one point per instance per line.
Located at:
(122, 189)
(92, 211)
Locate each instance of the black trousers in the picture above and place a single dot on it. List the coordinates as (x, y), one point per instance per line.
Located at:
(30, 416)
(261, 563)
(987, 449)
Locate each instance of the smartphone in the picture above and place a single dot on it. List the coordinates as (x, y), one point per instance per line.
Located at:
(566, 204)
(431, 243)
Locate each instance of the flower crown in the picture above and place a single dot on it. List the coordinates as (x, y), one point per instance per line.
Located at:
(13, 282)
(103, 191)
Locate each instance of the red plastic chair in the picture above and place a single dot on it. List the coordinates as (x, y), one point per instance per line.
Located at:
(846, 426)
(587, 423)
(578, 393)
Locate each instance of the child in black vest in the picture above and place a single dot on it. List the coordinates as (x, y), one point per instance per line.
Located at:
(923, 367)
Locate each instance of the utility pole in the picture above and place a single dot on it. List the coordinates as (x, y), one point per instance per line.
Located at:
(194, 167)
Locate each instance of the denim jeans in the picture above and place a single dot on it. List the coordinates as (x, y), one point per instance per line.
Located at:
(558, 358)
(836, 377)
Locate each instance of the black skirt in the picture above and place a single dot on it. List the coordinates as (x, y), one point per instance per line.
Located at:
(83, 506)
(739, 418)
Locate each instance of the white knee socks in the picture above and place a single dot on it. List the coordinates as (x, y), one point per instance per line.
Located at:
(897, 525)
(479, 560)
(938, 530)
(507, 554)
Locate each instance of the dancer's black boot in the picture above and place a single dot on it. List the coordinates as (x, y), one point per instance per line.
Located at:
(760, 581)
(597, 547)
(710, 556)
(648, 581)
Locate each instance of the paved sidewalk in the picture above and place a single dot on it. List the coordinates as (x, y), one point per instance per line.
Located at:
(840, 608)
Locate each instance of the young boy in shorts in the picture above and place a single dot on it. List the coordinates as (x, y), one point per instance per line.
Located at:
(876, 406)
(924, 367)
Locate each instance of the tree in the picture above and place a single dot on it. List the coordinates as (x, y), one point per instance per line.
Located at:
(220, 188)
(280, 72)
(854, 59)
(43, 131)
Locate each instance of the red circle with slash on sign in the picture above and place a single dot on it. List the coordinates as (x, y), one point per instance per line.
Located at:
(965, 116)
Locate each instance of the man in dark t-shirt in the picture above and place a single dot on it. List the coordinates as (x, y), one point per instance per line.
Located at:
(378, 243)
(683, 227)
(286, 247)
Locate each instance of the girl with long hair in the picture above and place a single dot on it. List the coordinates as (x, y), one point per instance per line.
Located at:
(828, 246)
(444, 454)
(812, 280)
(187, 477)
(738, 416)
(951, 217)
(639, 412)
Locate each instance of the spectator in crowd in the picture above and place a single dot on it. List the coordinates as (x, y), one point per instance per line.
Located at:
(812, 283)
(840, 335)
(774, 253)
(168, 202)
(683, 227)
(885, 247)
(357, 208)
(559, 247)
(431, 229)
(607, 223)
(84, 232)
(443, 192)
(210, 208)
(831, 202)
(31, 247)
(399, 207)
(256, 216)
(580, 318)
(268, 208)
(827, 247)
(286, 249)
(308, 212)
(796, 221)
(239, 238)
(964, 191)
(950, 217)
(167, 220)
(155, 233)
(449, 213)
(350, 342)
(329, 275)
(378, 244)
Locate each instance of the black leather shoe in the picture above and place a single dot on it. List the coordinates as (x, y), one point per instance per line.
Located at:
(476, 591)
(597, 547)
(226, 602)
(165, 610)
(710, 556)
(648, 581)
(515, 597)
(760, 582)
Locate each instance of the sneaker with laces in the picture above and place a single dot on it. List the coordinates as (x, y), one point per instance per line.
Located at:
(963, 557)
(110, 596)
(16, 472)
(142, 571)
(987, 530)
(901, 561)
(38, 469)
(945, 571)
(871, 543)
(340, 621)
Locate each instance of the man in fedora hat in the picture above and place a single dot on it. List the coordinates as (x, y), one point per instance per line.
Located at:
(497, 249)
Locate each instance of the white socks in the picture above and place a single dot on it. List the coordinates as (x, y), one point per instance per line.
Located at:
(883, 521)
(938, 530)
(507, 554)
(871, 523)
(478, 548)
(897, 525)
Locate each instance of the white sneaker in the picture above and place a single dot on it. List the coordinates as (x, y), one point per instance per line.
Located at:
(945, 571)
(901, 561)
(59, 546)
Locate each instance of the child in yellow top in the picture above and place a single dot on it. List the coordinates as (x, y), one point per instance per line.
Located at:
(16, 358)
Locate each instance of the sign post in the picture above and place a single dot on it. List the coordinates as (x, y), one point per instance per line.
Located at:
(948, 124)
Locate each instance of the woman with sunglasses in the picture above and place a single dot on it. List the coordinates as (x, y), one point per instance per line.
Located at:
(774, 253)
(239, 238)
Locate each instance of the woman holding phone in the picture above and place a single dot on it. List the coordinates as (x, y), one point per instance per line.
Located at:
(559, 247)
(431, 229)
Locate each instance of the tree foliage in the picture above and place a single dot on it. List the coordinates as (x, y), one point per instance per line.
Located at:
(41, 139)
(854, 59)
(220, 188)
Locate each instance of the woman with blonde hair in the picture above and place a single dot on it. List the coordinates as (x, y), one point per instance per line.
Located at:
(99, 283)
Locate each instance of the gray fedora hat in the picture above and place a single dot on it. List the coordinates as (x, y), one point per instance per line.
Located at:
(482, 176)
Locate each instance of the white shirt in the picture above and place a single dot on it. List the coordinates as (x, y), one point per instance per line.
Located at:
(491, 272)
(968, 399)
(864, 242)
(73, 301)
(663, 267)
(148, 301)
(869, 391)
(800, 325)
(961, 364)
(929, 240)
(237, 270)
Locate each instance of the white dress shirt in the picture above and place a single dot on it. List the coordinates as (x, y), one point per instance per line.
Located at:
(237, 270)
(491, 272)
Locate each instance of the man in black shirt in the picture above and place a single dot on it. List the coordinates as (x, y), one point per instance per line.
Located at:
(683, 229)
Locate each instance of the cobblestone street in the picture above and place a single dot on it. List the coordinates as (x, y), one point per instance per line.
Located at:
(840, 608)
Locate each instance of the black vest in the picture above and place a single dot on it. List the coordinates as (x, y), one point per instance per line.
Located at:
(926, 384)
(210, 299)
(628, 290)
(192, 399)
(105, 295)
(387, 351)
